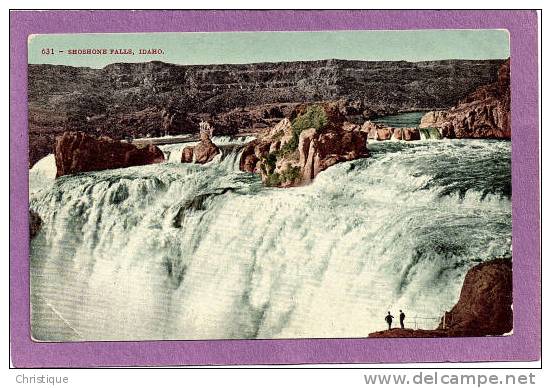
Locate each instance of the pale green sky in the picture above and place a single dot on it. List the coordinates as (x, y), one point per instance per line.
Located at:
(251, 47)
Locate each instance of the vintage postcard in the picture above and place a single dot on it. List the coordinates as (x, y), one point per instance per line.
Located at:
(213, 186)
(273, 185)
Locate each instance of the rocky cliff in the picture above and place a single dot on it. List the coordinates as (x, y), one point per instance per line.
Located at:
(485, 113)
(484, 306)
(140, 99)
(293, 153)
(77, 152)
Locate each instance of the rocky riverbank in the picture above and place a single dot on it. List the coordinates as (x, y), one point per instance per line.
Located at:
(485, 113)
(484, 306)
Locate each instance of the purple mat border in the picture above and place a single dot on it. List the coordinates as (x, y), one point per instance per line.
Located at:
(524, 345)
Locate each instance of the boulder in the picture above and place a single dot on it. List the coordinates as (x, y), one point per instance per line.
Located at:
(201, 153)
(376, 131)
(484, 306)
(409, 134)
(249, 159)
(187, 154)
(383, 134)
(329, 148)
(77, 152)
(485, 113)
(406, 134)
(205, 151)
(397, 133)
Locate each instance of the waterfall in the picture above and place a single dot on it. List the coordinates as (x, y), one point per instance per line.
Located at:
(430, 133)
(184, 251)
(230, 147)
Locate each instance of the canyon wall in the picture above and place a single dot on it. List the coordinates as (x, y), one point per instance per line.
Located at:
(155, 98)
(484, 113)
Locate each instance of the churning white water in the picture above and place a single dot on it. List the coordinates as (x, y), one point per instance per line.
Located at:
(181, 251)
(227, 144)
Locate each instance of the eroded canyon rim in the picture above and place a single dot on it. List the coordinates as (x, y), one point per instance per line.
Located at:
(139, 99)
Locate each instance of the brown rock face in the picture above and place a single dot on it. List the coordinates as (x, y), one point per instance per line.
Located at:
(187, 154)
(410, 134)
(406, 134)
(248, 158)
(285, 161)
(397, 133)
(77, 152)
(202, 153)
(35, 223)
(484, 306)
(321, 150)
(376, 131)
(485, 113)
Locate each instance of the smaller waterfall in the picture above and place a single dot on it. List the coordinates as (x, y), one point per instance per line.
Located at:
(42, 174)
(173, 152)
(229, 157)
(230, 147)
(430, 133)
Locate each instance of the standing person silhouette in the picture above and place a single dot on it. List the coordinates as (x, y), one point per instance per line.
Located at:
(388, 320)
(402, 317)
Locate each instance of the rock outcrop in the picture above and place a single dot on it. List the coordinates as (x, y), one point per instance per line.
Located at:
(406, 134)
(35, 223)
(485, 113)
(285, 156)
(408, 333)
(201, 153)
(153, 99)
(484, 306)
(77, 152)
(379, 132)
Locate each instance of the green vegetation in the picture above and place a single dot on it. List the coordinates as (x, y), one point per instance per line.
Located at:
(314, 117)
(430, 133)
(273, 180)
(290, 174)
(269, 163)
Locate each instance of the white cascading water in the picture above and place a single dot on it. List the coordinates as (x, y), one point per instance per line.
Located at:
(182, 251)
